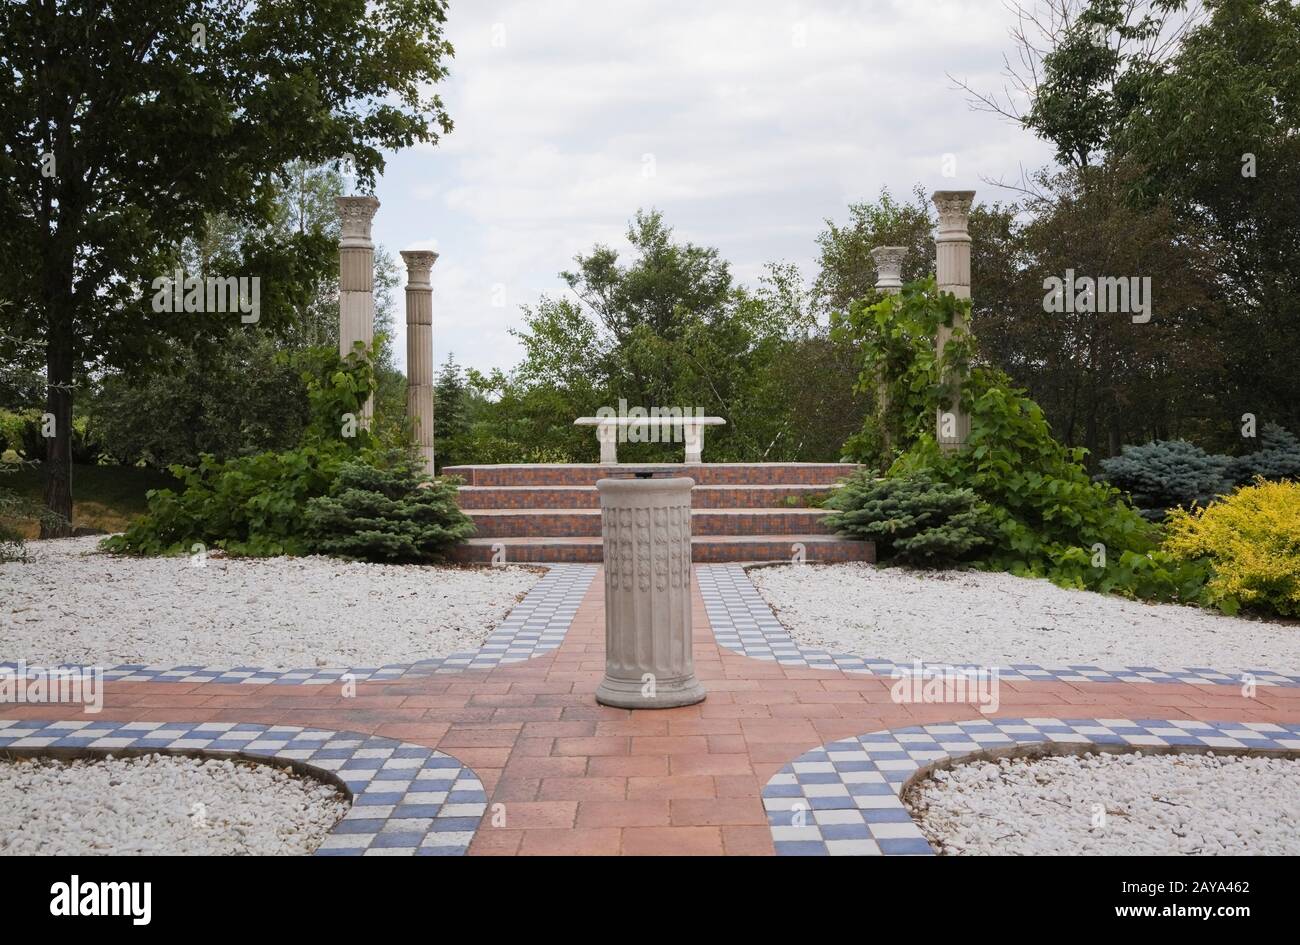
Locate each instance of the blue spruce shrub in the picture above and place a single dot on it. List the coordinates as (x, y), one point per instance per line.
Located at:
(1167, 474)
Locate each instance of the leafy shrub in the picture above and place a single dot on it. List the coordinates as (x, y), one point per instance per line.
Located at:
(900, 368)
(255, 505)
(1049, 518)
(20, 431)
(1048, 510)
(12, 425)
(15, 511)
(913, 520)
(1167, 474)
(237, 398)
(1252, 539)
(1277, 458)
(386, 511)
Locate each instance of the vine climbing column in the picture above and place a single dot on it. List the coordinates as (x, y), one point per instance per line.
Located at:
(356, 278)
(952, 273)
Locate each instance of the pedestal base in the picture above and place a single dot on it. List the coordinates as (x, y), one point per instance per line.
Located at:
(668, 693)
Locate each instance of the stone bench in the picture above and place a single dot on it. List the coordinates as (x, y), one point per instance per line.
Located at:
(608, 429)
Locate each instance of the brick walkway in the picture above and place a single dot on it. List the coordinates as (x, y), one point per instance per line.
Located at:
(576, 777)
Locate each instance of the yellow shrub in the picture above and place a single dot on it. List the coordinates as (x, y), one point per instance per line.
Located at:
(1252, 537)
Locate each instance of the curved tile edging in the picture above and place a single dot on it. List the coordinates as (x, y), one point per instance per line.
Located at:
(845, 798)
(407, 800)
(744, 623)
(535, 625)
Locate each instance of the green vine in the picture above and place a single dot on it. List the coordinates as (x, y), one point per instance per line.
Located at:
(895, 335)
(1049, 518)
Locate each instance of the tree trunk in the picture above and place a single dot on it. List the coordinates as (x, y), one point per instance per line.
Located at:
(58, 403)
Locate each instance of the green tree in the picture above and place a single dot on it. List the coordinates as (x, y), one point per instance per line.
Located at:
(451, 407)
(1217, 140)
(671, 329)
(148, 117)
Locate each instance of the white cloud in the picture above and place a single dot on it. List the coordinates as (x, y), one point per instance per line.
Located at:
(758, 121)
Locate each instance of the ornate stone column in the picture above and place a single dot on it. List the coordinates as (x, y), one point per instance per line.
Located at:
(889, 280)
(646, 525)
(889, 268)
(952, 273)
(419, 350)
(356, 278)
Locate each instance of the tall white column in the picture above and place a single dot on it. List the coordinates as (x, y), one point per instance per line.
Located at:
(952, 274)
(356, 278)
(889, 280)
(649, 663)
(419, 350)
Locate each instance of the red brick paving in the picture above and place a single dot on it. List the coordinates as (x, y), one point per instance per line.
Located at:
(574, 777)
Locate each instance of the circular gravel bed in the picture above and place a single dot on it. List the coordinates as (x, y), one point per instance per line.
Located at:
(71, 605)
(1104, 804)
(161, 804)
(995, 619)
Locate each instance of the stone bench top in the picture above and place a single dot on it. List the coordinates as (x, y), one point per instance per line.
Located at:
(648, 421)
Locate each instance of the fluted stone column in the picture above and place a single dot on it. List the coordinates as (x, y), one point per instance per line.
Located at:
(952, 274)
(889, 280)
(356, 278)
(419, 350)
(646, 525)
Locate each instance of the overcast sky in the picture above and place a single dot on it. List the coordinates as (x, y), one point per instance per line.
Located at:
(747, 123)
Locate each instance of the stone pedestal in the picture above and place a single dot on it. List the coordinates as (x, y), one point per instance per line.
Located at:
(952, 274)
(607, 437)
(419, 350)
(646, 525)
(356, 278)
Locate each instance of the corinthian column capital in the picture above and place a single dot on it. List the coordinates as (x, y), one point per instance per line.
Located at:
(889, 267)
(419, 266)
(954, 214)
(355, 216)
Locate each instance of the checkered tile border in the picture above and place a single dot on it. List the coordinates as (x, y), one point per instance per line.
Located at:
(844, 799)
(407, 800)
(536, 624)
(743, 621)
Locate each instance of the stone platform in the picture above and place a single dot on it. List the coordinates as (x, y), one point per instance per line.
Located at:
(741, 512)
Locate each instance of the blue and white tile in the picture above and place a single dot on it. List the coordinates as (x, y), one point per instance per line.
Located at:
(535, 625)
(742, 621)
(844, 798)
(407, 800)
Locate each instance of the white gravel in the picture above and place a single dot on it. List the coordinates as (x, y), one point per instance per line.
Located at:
(996, 619)
(1113, 805)
(71, 605)
(158, 804)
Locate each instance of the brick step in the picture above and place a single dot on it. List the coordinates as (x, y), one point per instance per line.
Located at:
(705, 474)
(585, 523)
(710, 549)
(586, 497)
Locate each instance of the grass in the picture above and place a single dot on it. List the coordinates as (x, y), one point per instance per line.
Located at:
(103, 497)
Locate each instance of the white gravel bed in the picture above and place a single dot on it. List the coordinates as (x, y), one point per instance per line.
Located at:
(1111, 805)
(72, 605)
(160, 804)
(997, 619)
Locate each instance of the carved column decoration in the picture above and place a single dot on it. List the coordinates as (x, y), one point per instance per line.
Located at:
(646, 524)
